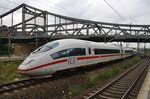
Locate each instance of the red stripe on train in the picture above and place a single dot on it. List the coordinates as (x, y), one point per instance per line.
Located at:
(65, 60)
(44, 65)
(91, 57)
(111, 55)
(87, 57)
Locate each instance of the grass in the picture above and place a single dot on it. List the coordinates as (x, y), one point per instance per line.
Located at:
(75, 90)
(8, 72)
(93, 80)
(110, 72)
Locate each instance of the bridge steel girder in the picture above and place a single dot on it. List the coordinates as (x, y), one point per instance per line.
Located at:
(43, 25)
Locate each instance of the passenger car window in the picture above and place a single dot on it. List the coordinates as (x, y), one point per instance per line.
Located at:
(128, 51)
(76, 51)
(106, 51)
(82, 52)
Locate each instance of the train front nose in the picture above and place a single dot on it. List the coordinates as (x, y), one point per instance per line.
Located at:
(31, 69)
(25, 68)
(22, 69)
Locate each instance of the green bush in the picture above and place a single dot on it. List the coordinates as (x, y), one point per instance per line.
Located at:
(92, 81)
(8, 72)
(74, 90)
(5, 49)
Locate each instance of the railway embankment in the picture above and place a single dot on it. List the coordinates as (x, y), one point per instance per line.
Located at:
(73, 83)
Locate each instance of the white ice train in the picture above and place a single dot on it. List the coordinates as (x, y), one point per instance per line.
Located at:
(70, 53)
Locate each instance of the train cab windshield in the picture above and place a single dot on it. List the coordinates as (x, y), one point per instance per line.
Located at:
(46, 47)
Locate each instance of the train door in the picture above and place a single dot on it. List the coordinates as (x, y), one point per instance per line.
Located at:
(89, 53)
(121, 52)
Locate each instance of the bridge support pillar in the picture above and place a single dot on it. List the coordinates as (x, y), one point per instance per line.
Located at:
(9, 46)
(138, 46)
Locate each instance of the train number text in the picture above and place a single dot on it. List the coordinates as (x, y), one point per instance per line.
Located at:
(71, 60)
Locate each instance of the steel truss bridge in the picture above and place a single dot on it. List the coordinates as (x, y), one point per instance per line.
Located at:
(28, 24)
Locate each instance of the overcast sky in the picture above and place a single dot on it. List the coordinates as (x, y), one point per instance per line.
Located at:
(121, 11)
(111, 11)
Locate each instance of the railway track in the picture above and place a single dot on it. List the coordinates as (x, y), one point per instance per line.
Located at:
(126, 86)
(10, 87)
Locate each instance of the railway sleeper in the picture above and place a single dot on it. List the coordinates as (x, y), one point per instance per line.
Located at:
(90, 93)
(125, 81)
(123, 85)
(140, 82)
(21, 84)
(27, 82)
(133, 94)
(135, 91)
(14, 85)
(128, 78)
(128, 81)
(16, 91)
(119, 87)
(137, 88)
(4, 87)
(85, 97)
(112, 95)
(112, 88)
(115, 91)
(131, 97)
(104, 97)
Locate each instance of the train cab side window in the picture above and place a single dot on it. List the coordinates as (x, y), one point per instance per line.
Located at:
(69, 52)
(59, 54)
(63, 53)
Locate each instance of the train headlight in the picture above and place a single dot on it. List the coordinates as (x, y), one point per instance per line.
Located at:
(30, 62)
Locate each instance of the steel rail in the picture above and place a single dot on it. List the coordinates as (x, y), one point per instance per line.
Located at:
(103, 89)
(9, 87)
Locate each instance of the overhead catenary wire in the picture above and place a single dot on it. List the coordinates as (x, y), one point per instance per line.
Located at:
(131, 17)
(66, 10)
(33, 1)
(4, 7)
(12, 2)
(115, 10)
(9, 8)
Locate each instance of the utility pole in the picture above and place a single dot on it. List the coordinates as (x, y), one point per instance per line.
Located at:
(144, 49)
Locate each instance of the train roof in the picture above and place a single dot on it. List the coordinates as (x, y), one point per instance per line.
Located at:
(102, 45)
